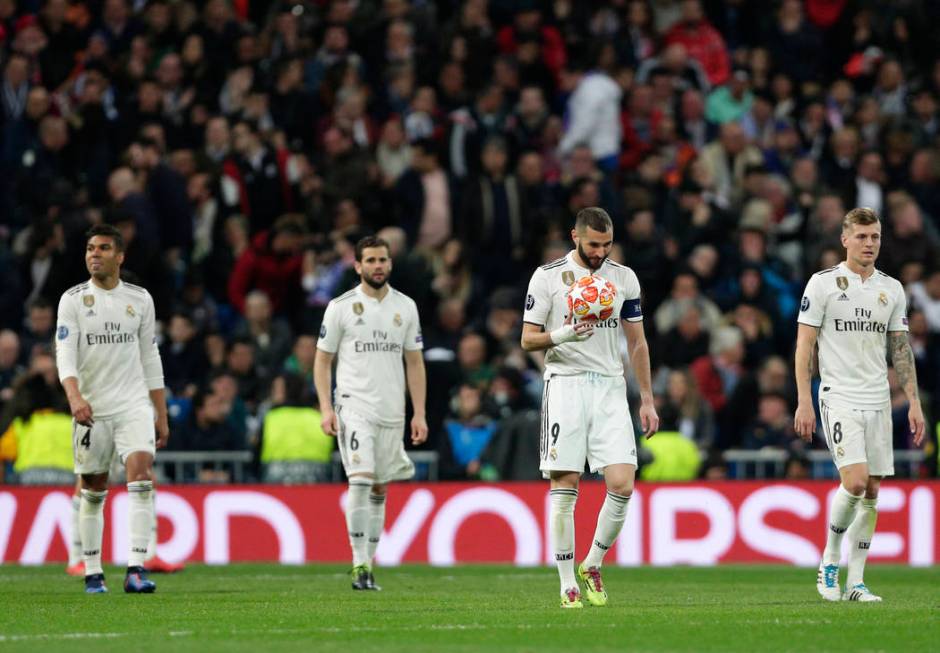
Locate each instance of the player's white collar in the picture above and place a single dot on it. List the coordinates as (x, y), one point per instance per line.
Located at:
(92, 285)
(376, 300)
(844, 269)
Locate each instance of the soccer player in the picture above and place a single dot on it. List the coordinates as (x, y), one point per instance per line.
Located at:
(853, 312)
(584, 402)
(110, 368)
(371, 328)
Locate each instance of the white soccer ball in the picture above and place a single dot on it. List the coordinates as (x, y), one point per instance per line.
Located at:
(591, 298)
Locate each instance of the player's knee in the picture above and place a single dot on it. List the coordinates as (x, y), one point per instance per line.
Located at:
(379, 489)
(623, 488)
(856, 485)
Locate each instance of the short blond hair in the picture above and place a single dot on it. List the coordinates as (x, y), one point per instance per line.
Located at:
(861, 215)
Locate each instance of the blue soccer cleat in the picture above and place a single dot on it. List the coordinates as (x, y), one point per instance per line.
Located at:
(94, 584)
(136, 582)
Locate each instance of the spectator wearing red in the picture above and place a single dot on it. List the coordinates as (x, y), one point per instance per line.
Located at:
(528, 20)
(271, 264)
(703, 42)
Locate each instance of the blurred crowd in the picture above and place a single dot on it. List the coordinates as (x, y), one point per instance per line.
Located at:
(242, 147)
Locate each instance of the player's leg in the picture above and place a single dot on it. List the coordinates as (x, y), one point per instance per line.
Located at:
(562, 448)
(76, 566)
(879, 444)
(564, 495)
(376, 525)
(93, 448)
(611, 447)
(356, 440)
(610, 519)
(844, 431)
(135, 441)
(859, 535)
(139, 465)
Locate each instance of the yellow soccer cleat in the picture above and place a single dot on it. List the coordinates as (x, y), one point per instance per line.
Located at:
(571, 598)
(593, 585)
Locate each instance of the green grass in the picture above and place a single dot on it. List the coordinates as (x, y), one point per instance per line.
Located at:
(470, 608)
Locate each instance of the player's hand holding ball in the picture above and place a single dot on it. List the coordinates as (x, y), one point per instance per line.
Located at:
(572, 332)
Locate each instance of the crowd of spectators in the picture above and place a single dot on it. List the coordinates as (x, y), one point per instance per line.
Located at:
(243, 147)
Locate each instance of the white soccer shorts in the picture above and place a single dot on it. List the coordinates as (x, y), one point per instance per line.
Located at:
(585, 417)
(859, 436)
(369, 448)
(127, 432)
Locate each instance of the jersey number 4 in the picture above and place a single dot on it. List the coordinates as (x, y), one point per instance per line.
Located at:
(86, 439)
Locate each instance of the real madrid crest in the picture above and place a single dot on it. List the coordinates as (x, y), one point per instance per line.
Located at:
(88, 300)
(883, 299)
(130, 310)
(553, 454)
(567, 277)
(397, 319)
(842, 282)
(358, 308)
(840, 451)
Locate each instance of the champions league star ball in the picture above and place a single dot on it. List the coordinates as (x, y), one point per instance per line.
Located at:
(591, 298)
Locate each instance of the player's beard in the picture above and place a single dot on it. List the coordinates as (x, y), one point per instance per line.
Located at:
(588, 261)
(376, 285)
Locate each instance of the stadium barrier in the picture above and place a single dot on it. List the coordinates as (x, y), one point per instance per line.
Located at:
(448, 523)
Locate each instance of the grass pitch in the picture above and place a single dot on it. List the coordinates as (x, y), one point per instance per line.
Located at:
(260, 608)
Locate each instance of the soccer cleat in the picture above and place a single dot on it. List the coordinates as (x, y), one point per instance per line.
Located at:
(78, 569)
(827, 582)
(571, 598)
(593, 585)
(136, 581)
(157, 565)
(860, 593)
(360, 578)
(94, 584)
(370, 583)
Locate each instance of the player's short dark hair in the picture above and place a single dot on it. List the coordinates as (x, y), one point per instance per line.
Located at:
(593, 217)
(109, 231)
(370, 241)
(861, 215)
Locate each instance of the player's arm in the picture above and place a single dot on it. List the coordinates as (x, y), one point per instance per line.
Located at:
(536, 338)
(66, 358)
(417, 389)
(153, 372)
(323, 381)
(804, 421)
(899, 351)
(327, 346)
(640, 360)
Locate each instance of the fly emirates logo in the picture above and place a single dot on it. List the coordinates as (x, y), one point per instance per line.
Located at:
(379, 344)
(862, 323)
(112, 335)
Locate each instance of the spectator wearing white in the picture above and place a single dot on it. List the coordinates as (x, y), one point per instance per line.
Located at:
(593, 115)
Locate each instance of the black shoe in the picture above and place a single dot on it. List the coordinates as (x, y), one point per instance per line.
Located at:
(370, 583)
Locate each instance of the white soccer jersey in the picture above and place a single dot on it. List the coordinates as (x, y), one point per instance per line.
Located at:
(105, 339)
(370, 337)
(853, 318)
(546, 305)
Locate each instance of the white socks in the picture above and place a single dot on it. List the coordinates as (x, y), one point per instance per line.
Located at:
(609, 522)
(562, 534)
(75, 537)
(859, 534)
(90, 527)
(841, 514)
(152, 542)
(357, 519)
(376, 522)
(140, 519)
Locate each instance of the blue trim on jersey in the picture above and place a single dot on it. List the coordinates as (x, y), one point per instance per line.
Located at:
(631, 309)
